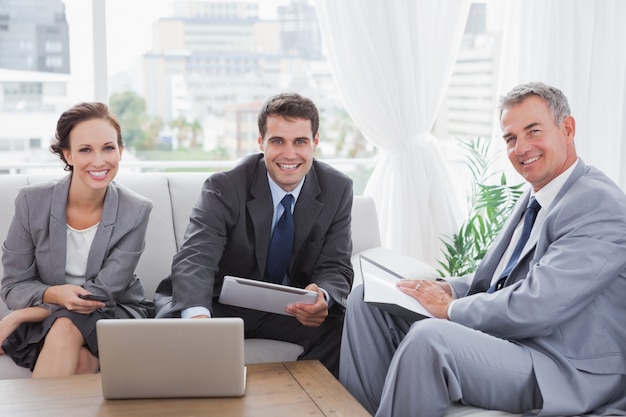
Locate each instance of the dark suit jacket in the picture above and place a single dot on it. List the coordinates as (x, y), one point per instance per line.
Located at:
(35, 248)
(229, 232)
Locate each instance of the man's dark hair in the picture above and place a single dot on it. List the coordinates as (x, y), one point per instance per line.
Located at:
(290, 106)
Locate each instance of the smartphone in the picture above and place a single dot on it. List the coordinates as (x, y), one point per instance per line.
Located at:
(94, 297)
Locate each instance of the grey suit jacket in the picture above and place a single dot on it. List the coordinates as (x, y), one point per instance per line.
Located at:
(35, 248)
(566, 297)
(229, 233)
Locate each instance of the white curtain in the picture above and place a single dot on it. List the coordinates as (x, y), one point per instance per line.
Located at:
(392, 60)
(579, 47)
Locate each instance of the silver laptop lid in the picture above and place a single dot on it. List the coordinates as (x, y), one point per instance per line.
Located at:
(171, 358)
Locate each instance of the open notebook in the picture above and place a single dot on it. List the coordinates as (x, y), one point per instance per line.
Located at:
(171, 358)
(379, 289)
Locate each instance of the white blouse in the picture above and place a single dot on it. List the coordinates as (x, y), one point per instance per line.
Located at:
(78, 245)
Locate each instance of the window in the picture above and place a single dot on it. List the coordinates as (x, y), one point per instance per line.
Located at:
(199, 71)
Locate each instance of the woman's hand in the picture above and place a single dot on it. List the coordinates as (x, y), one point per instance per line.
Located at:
(66, 296)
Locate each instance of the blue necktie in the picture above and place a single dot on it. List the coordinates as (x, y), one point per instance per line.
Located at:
(529, 219)
(279, 252)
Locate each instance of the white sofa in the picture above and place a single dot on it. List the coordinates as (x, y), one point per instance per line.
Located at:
(173, 195)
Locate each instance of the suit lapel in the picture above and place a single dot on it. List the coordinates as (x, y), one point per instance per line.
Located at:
(487, 267)
(534, 236)
(260, 208)
(529, 247)
(307, 209)
(58, 229)
(101, 240)
(578, 172)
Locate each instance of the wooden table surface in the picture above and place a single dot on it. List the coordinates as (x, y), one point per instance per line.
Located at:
(290, 389)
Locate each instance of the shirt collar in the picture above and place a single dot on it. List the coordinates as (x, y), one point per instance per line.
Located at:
(278, 193)
(546, 195)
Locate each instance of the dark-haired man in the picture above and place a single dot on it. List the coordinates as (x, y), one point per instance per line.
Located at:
(233, 222)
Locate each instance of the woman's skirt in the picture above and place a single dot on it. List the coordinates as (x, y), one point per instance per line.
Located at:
(24, 344)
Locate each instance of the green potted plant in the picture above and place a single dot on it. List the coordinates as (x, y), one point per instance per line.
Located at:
(489, 205)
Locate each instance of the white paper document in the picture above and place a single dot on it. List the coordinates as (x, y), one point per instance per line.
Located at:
(263, 296)
(379, 289)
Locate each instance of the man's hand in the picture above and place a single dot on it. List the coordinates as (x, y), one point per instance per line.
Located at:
(435, 296)
(312, 315)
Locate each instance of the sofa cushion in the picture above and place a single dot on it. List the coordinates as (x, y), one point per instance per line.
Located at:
(155, 262)
(267, 351)
(365, 230)
(9, 370)
(458, 410)
(184, 188)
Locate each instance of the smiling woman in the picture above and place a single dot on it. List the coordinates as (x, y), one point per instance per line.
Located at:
(85, 229)
(91, 149)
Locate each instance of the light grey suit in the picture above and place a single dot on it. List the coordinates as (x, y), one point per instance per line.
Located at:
(35, 248)
(552, 339)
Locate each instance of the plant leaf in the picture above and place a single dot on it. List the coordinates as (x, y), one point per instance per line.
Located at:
(490, 205)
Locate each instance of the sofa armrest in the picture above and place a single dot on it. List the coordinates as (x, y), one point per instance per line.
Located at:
(365, 230)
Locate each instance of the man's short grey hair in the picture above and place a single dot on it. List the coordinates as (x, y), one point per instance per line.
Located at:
(554, 98)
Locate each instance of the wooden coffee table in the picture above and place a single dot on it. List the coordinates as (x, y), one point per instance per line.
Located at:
(289, 389)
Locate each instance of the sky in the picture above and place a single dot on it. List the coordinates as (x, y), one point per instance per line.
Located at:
(129, 30)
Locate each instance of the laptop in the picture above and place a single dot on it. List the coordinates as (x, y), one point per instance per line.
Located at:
(171, 358)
